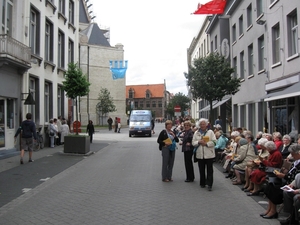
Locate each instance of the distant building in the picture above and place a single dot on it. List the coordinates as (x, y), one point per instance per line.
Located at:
(152, 97)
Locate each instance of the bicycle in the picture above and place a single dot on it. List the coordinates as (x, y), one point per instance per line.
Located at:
(39, 144)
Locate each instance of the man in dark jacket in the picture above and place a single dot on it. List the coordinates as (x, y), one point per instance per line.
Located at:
(28, 131)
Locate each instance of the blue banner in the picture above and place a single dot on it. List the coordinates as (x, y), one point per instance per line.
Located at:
(118, 69)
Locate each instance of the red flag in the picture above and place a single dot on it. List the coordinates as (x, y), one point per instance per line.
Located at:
(212, 7)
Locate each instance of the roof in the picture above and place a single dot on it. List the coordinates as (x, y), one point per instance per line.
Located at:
(95, 35)
(156, 90)
(83, 17)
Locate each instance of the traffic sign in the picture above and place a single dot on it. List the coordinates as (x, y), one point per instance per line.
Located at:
(177, 108)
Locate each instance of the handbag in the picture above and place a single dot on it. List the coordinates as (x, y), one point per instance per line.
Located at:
(172, 147)
(194, 154)
(51, 133)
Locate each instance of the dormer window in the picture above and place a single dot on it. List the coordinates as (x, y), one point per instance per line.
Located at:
(148, 94)
(131, 93)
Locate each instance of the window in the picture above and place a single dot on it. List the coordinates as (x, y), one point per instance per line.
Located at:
(153, 103)
(70, 51)
(60, 49)
(131, 93)
(147, 104)
(211, 45)
(292, 33)
(49, 41)
(32, 89)
(71, 12)
(148, 95)
(249, 15)
(216, 42)
(259, 7)
(61, 6)
(136, 104)
(7, 9)
(60, 101)
(242, 65)
(241, 26)
(47, 102)
(276, 43)
(141, 104)
(261, 53)
(250, 60)
(159, 104)
(234, 64)
(234, 33)
(10, 115)
(204, 49)
(34, 33)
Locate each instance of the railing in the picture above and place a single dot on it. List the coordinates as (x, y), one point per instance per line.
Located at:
(14, 48)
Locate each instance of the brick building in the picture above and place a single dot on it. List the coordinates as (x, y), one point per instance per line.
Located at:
(147, 96)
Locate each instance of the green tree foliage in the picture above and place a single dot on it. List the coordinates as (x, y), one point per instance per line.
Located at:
(106, 102)
(210, 78)
(178, 99)
(75, 84)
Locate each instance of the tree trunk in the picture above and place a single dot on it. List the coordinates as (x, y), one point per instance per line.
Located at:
(76, 115)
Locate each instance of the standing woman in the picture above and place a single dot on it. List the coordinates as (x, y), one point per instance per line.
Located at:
(52, 133)
(187, 149)
(64, 131)
(205, 140)
(168, 156)
(90, 130)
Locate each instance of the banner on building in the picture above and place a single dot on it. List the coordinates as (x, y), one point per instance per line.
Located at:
(211, 7)
(118, 69)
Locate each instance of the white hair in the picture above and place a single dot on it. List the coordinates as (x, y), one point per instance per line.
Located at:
(203, 120)
(262, 141)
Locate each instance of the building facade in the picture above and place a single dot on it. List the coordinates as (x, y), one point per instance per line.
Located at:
(264, 51)
(149, 96)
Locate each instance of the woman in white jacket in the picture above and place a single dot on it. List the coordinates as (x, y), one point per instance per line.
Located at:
(205, 140)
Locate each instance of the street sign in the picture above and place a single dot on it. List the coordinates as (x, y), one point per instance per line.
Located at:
(177, 108)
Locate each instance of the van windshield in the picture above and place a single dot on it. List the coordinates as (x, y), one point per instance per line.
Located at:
(136, 118)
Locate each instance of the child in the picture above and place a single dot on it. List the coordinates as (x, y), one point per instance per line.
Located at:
(119, 127)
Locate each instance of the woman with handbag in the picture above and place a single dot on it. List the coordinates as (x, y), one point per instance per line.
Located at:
(205, 140)
(187, 149)
(167, 144)
(273, 191)
(258, 176)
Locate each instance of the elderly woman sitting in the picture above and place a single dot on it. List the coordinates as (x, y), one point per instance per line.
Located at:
(245, 153)
(284, 149)
(258, 176)
(263, 153)
(273, 191)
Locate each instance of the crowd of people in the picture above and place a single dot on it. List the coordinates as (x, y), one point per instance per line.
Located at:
(266, 164)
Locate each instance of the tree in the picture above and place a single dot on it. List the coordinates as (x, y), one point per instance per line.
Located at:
(210, 78)
(75, 84)
(106, 103)
(181, 100)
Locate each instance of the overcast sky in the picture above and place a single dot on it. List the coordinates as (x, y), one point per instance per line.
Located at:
(155, 35)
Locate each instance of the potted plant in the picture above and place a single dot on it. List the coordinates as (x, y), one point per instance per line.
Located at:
(76, 85)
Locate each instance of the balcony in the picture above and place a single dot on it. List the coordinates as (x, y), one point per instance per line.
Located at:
(14, 53)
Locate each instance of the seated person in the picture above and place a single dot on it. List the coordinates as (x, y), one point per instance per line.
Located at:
(291, 202)
(245, 153)
(258, 176)
(264, 154)
(221, 144)
(273, 191)
(284, 149)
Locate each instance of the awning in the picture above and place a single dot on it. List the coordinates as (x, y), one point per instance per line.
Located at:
(215, 104)
(291, 91)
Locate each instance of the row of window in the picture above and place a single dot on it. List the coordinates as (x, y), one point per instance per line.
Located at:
(292, 34)
(50, 46)
(48, 98)
(148, 104)
(131, 93)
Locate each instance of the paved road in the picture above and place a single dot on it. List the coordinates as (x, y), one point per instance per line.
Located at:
(119, 184)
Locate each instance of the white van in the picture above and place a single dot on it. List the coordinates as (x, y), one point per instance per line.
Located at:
(140, 122)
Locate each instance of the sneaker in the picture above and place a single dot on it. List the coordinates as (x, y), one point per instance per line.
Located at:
(30, 160)
(21, 161)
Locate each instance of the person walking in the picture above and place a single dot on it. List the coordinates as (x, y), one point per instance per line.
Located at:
(166, 141)
(109, 121)
(187, 149)
(205, 140)
(152, 125)
(116, 124)
(28, 132)
(119, 127)
(52, 133)
(90, 130)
